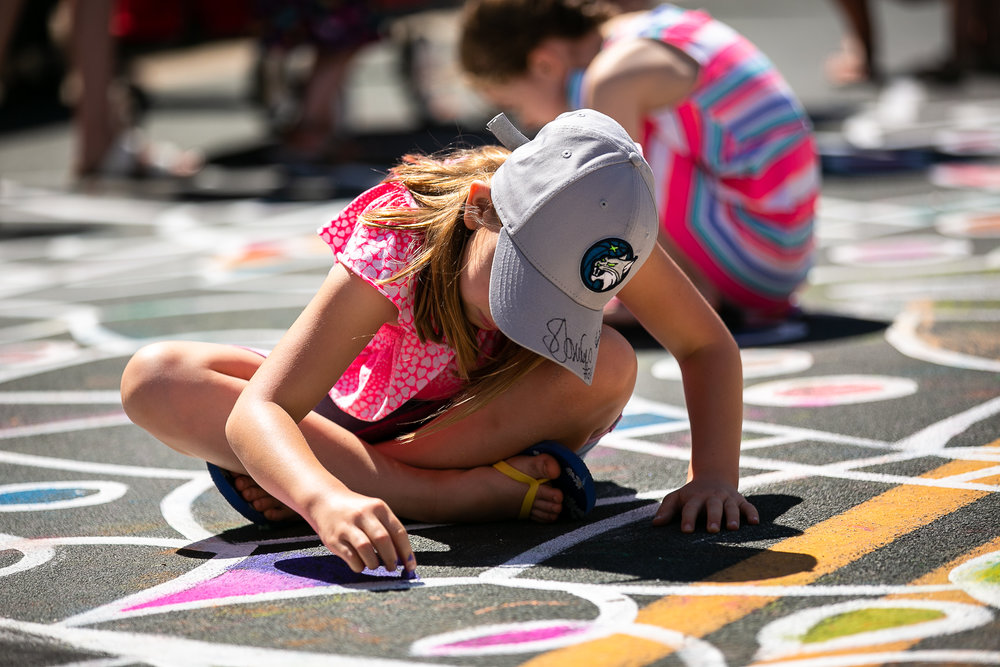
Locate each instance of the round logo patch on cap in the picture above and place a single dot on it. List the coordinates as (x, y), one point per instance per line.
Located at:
(606, 264)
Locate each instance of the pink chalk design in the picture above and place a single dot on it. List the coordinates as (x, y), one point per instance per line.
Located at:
(971, 176)
(230, 584)
(269, 573)
(979, 224)
(522, 637)
(896, 251)
(526, 637)
(830, 390)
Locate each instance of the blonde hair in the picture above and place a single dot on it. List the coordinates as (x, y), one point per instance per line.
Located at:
(440, 187)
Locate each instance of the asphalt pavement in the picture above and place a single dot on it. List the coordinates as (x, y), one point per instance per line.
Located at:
(871, 434)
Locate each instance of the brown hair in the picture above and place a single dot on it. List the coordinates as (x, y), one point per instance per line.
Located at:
(497, 35)
(440, 186)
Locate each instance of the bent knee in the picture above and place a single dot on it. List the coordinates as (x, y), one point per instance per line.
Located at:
(615, 375)
(147, 376)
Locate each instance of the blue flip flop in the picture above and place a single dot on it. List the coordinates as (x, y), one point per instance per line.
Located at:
(225, 482)
(574, 480)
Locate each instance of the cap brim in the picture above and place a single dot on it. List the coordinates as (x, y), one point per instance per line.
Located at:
(536, 314)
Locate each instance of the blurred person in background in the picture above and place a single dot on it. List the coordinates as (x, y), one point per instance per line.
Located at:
(106, 106)
(730, 145)
(308, 121)
(974, 27)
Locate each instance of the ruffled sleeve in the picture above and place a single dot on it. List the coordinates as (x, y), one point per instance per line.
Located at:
(395, 366)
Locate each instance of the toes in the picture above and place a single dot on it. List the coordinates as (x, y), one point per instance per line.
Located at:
(272, 508)
(549, 496)
(264, 503)
(548, 499)
(550, 466)
(545, 511)
(249, 489)
(542, 466)
(279, 513)
(242, 482)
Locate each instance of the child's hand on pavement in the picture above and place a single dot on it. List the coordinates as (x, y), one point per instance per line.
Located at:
(362, 531)
(717, 500)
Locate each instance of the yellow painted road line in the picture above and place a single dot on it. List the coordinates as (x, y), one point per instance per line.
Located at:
(834, 543)
(940, 576)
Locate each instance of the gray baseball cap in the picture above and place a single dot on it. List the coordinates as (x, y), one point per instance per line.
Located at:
(579, 218)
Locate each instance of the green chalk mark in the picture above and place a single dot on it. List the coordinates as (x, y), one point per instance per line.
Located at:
(868, 620)
(990, 575)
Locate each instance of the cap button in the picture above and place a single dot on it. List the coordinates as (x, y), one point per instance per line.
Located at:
(635, 159)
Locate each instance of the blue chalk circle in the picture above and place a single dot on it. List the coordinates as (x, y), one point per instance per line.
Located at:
(35, 496)
(639, 419)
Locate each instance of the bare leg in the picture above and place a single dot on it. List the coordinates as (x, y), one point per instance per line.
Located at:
(856, 61)
(547, 404)
(10, 11)
(988, 13)
(973, 35)
(182, 393)
(102, 114)
(320, 121)
(97, 121)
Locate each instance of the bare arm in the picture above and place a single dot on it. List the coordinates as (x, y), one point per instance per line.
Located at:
(673, 311)
(632, 78)
(263, 426)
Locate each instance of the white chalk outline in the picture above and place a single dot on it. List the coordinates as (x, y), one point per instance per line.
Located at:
(104, 492)
(86, 324)
(782, 638)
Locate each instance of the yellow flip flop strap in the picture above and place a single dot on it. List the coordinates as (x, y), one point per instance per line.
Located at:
(533, 484)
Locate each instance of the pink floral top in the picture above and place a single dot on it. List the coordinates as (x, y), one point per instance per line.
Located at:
(395, 366)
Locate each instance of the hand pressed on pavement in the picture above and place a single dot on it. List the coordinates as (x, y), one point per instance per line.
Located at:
(718, 501)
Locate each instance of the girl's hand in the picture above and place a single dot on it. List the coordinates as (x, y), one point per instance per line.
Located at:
(716, 499)
(362, 531)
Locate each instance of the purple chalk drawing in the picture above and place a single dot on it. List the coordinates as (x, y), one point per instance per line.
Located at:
(270, 573)
(231, 584)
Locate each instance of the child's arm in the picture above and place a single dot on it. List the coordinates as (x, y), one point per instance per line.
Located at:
(672, 310)
(263, 428)
(634, 77)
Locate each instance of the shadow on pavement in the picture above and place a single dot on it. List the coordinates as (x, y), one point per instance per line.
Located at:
(635, 551)
(808, 328)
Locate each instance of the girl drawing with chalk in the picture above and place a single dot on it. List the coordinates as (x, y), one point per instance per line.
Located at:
(454, 366)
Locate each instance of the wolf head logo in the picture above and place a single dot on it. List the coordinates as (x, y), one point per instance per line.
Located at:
(609, 271)
(606, 264)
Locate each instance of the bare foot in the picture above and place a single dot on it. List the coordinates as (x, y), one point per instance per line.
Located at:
(490, 494)
(133, 155)
(850, 65)
(486, 494)
(261, 500)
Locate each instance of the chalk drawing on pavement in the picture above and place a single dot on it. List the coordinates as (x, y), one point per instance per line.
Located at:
(204, 263)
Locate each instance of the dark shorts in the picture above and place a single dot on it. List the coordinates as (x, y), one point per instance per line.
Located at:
(407, 418)
(336, 25)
